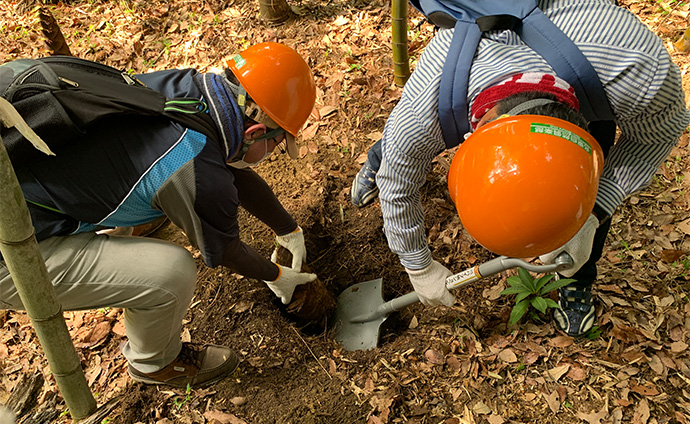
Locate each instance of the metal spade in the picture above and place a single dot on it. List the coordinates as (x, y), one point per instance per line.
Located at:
(361, 309)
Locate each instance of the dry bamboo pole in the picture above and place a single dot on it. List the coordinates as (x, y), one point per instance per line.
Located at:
(401, 60)
(20, 252)
(274, 12)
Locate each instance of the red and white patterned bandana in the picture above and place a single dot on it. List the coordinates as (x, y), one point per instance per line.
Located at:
(519, 83)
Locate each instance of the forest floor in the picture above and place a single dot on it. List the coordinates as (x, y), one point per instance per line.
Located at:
(462, 364)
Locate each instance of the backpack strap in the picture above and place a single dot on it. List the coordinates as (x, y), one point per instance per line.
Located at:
(191, 113)
(452, 101)
(543, 36)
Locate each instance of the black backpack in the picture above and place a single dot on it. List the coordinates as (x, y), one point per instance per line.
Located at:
(61, 97)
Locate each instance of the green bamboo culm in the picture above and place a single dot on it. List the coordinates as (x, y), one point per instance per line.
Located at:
(401, 59)
(19, 249)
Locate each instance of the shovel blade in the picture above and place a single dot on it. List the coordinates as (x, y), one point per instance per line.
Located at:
(357, 301)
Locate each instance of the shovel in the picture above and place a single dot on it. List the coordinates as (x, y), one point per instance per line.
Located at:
(361, 309)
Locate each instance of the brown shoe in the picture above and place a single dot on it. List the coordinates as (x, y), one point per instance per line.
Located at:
(195, 365)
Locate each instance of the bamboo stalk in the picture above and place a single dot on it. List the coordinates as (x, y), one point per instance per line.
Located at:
(274, 12)
(401, 60)
(19, 249)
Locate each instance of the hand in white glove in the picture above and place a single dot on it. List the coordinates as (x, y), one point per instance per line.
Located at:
(287, 280)
(430, 284)
(294, 242)
(579, 247)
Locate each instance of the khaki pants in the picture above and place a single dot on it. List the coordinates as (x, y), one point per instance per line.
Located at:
(152, 280)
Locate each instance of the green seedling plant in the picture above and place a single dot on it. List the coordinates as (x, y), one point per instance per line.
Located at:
(593, 333)
(180, 402)
(532, 294)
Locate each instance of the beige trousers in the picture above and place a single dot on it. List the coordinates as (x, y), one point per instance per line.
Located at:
(152, 280)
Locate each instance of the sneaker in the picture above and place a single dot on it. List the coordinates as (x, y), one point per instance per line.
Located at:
(576, 315)
(364, 189)
(195, 365)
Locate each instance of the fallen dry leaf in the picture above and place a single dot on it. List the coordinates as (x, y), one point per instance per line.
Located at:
(493, 292)
(557, 372)
(238, 401)
(670, 256)
(577, 373)
(223, 418)
(553, 401)
(593, 417)
(677, 347)
(327, 110)
(656, 364)
(495, 419)
(507, 355)
(641, 415)
(636, 285)
(313, 147)
(646, 389)
(561, 341)
(453, 363)
(119, 328)
(684, 226)
(481, 408)
(373, 419)
(310, 131)
(375, 136)
(434, 356)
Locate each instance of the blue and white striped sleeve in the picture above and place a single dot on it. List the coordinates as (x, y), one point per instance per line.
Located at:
(411, 139)
(650, 128)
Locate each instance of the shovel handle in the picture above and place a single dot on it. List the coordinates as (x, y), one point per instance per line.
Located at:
(503, 263)
(470, 275)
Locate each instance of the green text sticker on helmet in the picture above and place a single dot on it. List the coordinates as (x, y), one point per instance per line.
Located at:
(239, 61)
(562, 133)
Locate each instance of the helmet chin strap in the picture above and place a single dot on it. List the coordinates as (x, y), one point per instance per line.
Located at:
(247, 143)
(242, 98)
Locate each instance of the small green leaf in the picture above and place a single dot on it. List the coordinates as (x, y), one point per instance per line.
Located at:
(593, 333)
(556, 284)
(543, 280)
(551, 304)
(527, 279)
(513, 290)
(518, 311)
(522, 296)
(515, 281)
(539, 303)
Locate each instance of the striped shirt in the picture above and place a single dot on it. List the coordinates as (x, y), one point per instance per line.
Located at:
(642, 83)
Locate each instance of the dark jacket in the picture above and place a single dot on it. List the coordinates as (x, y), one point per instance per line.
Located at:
(129, 171)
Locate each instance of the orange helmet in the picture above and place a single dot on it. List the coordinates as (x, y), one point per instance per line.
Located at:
(279, 81)
(524, 185)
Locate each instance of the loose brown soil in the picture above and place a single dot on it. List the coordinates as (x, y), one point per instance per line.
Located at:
(462, 364)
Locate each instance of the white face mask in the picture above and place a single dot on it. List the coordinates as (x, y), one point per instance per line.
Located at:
(241, 164)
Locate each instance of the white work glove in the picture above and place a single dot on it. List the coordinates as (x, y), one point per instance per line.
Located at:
(579, 247)
(287, 280)
(294, 242)
(430, 284)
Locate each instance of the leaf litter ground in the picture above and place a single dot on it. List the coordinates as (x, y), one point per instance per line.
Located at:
(434, 365)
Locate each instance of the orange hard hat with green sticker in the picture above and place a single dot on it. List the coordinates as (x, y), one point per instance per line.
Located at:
(524, 185)
(279, 81)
